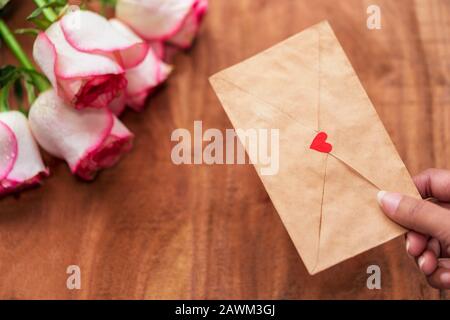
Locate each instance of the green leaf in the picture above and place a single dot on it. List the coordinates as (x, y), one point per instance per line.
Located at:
(60, 10)
(32, 73)
(3, 3)
(56, 5)
(4, 98)
(21, 80)
(18, 91)
(36, 13)
(109, 3)
(31, 91)
(8, 74)
(41, 23)
(30, 31)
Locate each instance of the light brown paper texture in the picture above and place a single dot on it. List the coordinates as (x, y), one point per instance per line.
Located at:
(327, 202)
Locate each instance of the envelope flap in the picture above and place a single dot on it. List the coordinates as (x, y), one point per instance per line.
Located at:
(296, 190)
(347, 115)
(349, 202)
(284, 76)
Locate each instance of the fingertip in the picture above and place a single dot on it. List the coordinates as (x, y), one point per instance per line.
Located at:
(440, 279)
(416, 243)
(389, 201)
(433, 183)
(434, 246)
(427, 262)
(444, 278)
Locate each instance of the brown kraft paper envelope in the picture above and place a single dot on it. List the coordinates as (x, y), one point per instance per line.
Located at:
(327, 201)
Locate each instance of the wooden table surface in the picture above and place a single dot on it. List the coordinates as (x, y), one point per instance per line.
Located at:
(151, 229)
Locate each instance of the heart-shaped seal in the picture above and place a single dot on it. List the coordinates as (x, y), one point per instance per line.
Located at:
(320, 143)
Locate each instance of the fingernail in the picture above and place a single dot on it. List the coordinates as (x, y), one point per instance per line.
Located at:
(445, 277)
(380, 195)
(407, 245)
(389, 201)
(421, 261)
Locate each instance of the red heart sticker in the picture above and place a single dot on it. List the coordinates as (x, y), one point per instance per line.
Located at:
(320, 143)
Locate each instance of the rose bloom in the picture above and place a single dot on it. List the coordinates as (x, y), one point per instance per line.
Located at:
(88, 140)
(142, 79)
(21, 164)
(85, 58)
(173, 21)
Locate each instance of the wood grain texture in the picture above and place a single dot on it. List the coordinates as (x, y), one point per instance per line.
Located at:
(150, 229)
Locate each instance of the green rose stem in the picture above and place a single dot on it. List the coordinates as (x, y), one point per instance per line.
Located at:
(10, 40)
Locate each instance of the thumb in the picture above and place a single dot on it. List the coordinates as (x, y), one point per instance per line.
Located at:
(414, 214)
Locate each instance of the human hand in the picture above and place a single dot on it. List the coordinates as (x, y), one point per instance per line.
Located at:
(429, 221)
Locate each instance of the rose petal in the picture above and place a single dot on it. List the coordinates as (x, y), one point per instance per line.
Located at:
(28, 162)
(65, 132)
(189, 29)
(143, 80)
(80, 78)
(158, 49)
(89, 32)
(119, 141)
(71, 63)
(99, 91)
(118, 105)
(8, 149)
(145, 77)
(28, 168)
(154, 19)
(12, 186)
(44, 53)
(89, 139)
(137, 101)
(149, 74)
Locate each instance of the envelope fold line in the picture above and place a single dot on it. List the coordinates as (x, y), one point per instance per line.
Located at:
(326, 200)
(352, 168)
(268, 104)
(296, 120)
(321, 215)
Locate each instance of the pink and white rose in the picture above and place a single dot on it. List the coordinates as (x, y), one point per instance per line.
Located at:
(21, 165)
(142, 79)
(173, 21)
(88, 140)
(85, 58)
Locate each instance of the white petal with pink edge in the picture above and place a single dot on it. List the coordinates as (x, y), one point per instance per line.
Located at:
(154, 19)
(81, 79)
(90, 32)
(8, 149)
(65, 132)
(118, 142)
(44, 53)
(84, 138)
(145, 77)
(28, 162)
(187, 32)
(69, 63)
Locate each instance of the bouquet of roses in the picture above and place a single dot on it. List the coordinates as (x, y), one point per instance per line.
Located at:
(93, 69)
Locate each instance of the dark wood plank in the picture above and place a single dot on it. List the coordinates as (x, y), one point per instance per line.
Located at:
(150, 229)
